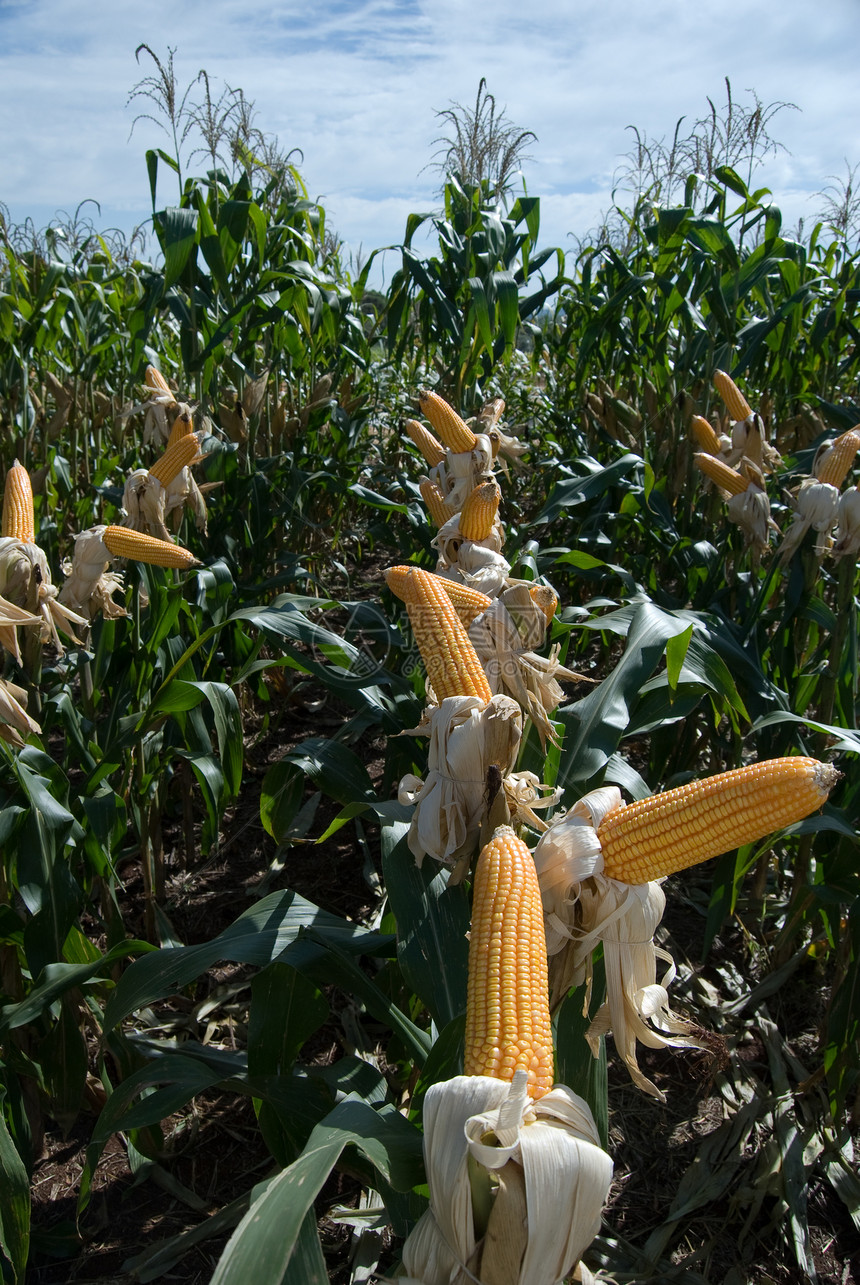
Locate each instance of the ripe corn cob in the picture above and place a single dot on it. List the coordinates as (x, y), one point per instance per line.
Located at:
(182, 426)
(834, 463)
(433, 451)
(705, 435)
(451, 662)
(507, 1007)
(122, 542)
(156, 381)
(18, 519)
(455, 434)
(667, 832)
(724, 476)
(175, 459)
(468, 603)
(431, 494)
(545, 598)
(736, 404)
(479, 512)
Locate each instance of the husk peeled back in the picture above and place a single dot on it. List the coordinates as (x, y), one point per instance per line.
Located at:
(467, 738)
(493, 1124)
(583, 907)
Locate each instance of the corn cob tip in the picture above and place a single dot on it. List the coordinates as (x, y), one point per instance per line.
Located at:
(122, 542)
(736, 404)
(667, 832)
(452, 429)
(479, 512)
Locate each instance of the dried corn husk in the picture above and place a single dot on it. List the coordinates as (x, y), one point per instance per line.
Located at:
(25, 579)
(552, 1174)
(15, 723)
(583, 908)
(817, 507)
(467, 739)
(90, 585)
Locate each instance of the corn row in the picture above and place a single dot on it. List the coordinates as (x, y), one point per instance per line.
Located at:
(454, 432)
(122, 542)
(507, 1009)
(656, 836)
(736, 404)
(18, 519)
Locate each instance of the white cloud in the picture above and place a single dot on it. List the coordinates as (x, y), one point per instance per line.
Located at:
(355, 83)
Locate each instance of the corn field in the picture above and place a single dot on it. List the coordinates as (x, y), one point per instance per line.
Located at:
(428, 734)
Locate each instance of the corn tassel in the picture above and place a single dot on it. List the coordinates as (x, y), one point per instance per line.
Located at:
(479, 512)
(705, 435)
(736, 404)
(177, 457)
(455, 434)
(657, 836)
(727, 478)
(122, 542)
(453, 668)
(18, 519)
(433, 451)
(507, 1009)
(431, 494)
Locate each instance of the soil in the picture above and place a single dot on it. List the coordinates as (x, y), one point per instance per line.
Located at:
(213, 1152)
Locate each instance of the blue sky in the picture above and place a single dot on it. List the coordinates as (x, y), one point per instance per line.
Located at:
(354, 84)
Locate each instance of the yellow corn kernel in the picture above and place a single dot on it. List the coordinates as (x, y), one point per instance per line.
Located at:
(725, 477)
(468, 603)
(181, 427)
(656, 836)
(455, 434)
(433, 451)
(736, 404)
(452, 665)
(705, 435)
(156, 381)
(431, 494)
(479, 512)
(122, 542)
(833, 464)
(18, 519)
(182, 453)
(545, 597)
(507, 1008)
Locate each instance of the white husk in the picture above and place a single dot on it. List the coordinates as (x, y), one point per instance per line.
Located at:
(817, 507)
(847, 535)
(11, 617)
(89, 585)
(19, 562)
(15, 723)
(751, 511)
(501, 636)
(460, 472)
(478, 567)
(553, 1140)
(466, 737)
(584, 907)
